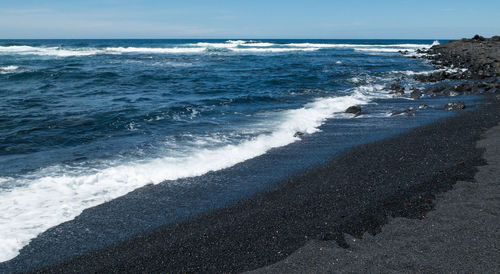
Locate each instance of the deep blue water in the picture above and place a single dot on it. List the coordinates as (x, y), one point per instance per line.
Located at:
(85, 121)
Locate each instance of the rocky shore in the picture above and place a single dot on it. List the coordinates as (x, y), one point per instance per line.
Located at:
(356, 193)
(467, 66)
(475, 63)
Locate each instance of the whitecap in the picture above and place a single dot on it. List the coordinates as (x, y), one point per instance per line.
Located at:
(153, 50)
(8, 69)
(271, 50)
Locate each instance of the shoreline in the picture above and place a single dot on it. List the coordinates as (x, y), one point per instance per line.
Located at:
(269, 226)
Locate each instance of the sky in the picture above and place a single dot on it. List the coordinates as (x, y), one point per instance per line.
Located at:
(278, 19)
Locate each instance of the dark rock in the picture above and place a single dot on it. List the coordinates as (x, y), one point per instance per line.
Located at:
(458, 105)
(298, 134)
(434, 89)
(493, 90)
(397, 89)
(354, 110)
(408, 112)
(477, 37)
(416, 93)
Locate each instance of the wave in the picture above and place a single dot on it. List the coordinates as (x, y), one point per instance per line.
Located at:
(201, 47)
(60, 193)
(410, 49)
(117, 50)
(382, 49)
(8, 69)
(257, 50)
(48, 51)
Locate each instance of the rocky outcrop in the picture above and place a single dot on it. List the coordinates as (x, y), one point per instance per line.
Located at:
(480, 56)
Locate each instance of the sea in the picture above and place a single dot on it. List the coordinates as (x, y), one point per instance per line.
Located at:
(83, 122)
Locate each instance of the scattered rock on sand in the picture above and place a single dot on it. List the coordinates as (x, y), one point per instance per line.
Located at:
(458, 105)
(354, 110)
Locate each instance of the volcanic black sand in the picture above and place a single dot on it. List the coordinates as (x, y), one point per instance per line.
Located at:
(461, 235)
(355, 193)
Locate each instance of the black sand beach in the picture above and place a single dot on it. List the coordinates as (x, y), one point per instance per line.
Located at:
(353, 194)
(460, 235)
(357, 192)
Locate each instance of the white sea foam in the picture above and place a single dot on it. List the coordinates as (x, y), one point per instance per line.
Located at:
(49, 51)
(8, 69)
(381, 49)
(260, 50)
(232, 44)
(202, 47)
(153, 50)
(59, 193)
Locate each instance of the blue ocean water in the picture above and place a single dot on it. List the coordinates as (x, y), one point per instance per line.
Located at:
(85, 121)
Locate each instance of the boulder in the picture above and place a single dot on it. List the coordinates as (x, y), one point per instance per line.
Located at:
(408, 112)
(423, 106)
(415, 93)
(354, 110)
(397, 89)
(298, 134)
(434, 89)
(458, 105)
(478, 37)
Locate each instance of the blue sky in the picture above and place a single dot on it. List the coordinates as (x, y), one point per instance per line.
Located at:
(248, 19)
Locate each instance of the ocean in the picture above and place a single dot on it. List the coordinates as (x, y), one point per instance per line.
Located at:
(83, 122)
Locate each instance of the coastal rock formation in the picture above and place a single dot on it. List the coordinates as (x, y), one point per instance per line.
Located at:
(479, 55)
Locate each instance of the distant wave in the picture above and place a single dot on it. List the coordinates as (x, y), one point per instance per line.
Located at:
(48, 51)
(118, 50)
(8, 69)
(237, 46)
